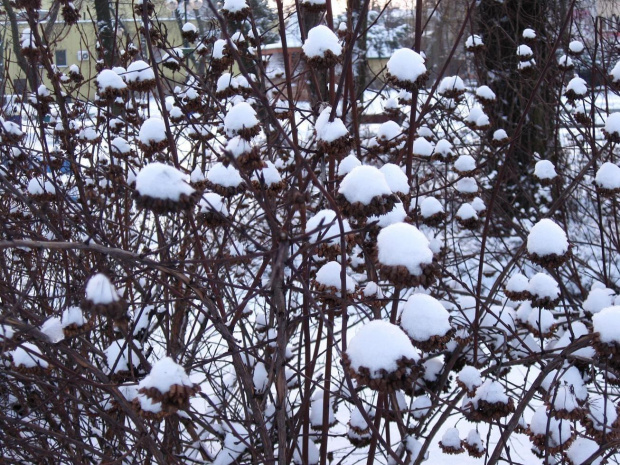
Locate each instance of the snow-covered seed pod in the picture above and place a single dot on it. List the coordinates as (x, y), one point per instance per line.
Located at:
(443, 151)
(549, 435)
(524, 52)
(469, 379)
(168, 384)
(576, 89)
(359, 434)
(432, 212)
(474, 444)
(28, 359)
(426, 322)
(41, 189)
(606, 329)
(405, 257)
(322, 49)
(451, 442)
(602, 420)
(102, 298)
(152, 136)
(499, 138)
(576, 48)
(565, 64)
(241, 120)
(110, 85)
(221, 57)
(474, 44)
(451, 87)
(544, 291)
(328, 285)
(212, 210)
(545, 173)
(516, 288)
(268, 179)
(465, 165)
(612, 128)
(365, 192)
(224, 180)
(140, 77)
(164, 189)
(332, 136)
(381, 356)
(235, 10)
(325, 234)
(607, 180)
(489, 403)
(547, 244)
(406, 69)
(467, 217)
(74, 323)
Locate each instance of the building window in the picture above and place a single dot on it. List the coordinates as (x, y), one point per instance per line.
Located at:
(61, 58)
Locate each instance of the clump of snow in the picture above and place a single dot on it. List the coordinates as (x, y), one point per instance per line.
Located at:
(320, 40)
(524, 52)
(598, 299)
(485, 93)
(226, 176)
(615, 73)
(52, 328)
(139, 71)
(517, 283)
(528, 33)
(347, 164)
(402, 244)
(466, 186)
(566, 62)
(443, 148)
(581, 450)
(607, 324)
(423, 317)
(396, 215)
(119, 146)
(28, 355)
(576, 47)
(465, 164)
(260, 378)
(470, 377)
(108, 79)
(120, 356)
(363, 184)
(213, 203)
(608, 176)
(544, 170)
(241, 116)
(450, 85)
(430, 206)
(152, 130)
(396, 178)
(541, 320)
(547, 238)
(329, 275)
(473, 42)
(161, 181)
(422, 147)
(234, 6)
(466, 212)
(500, 135)
(576, 88)
(324, 226)
(406, 65)
(556, 432)
(542, 285)
(40, 186)
(329, 131)
(612, 124)
(490, 391)
(164, 374)
(99, 290)
(451, 439)
(421, 406)
(378, 346)
(388, 131)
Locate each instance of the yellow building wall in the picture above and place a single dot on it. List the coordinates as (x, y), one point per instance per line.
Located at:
(82, 37)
